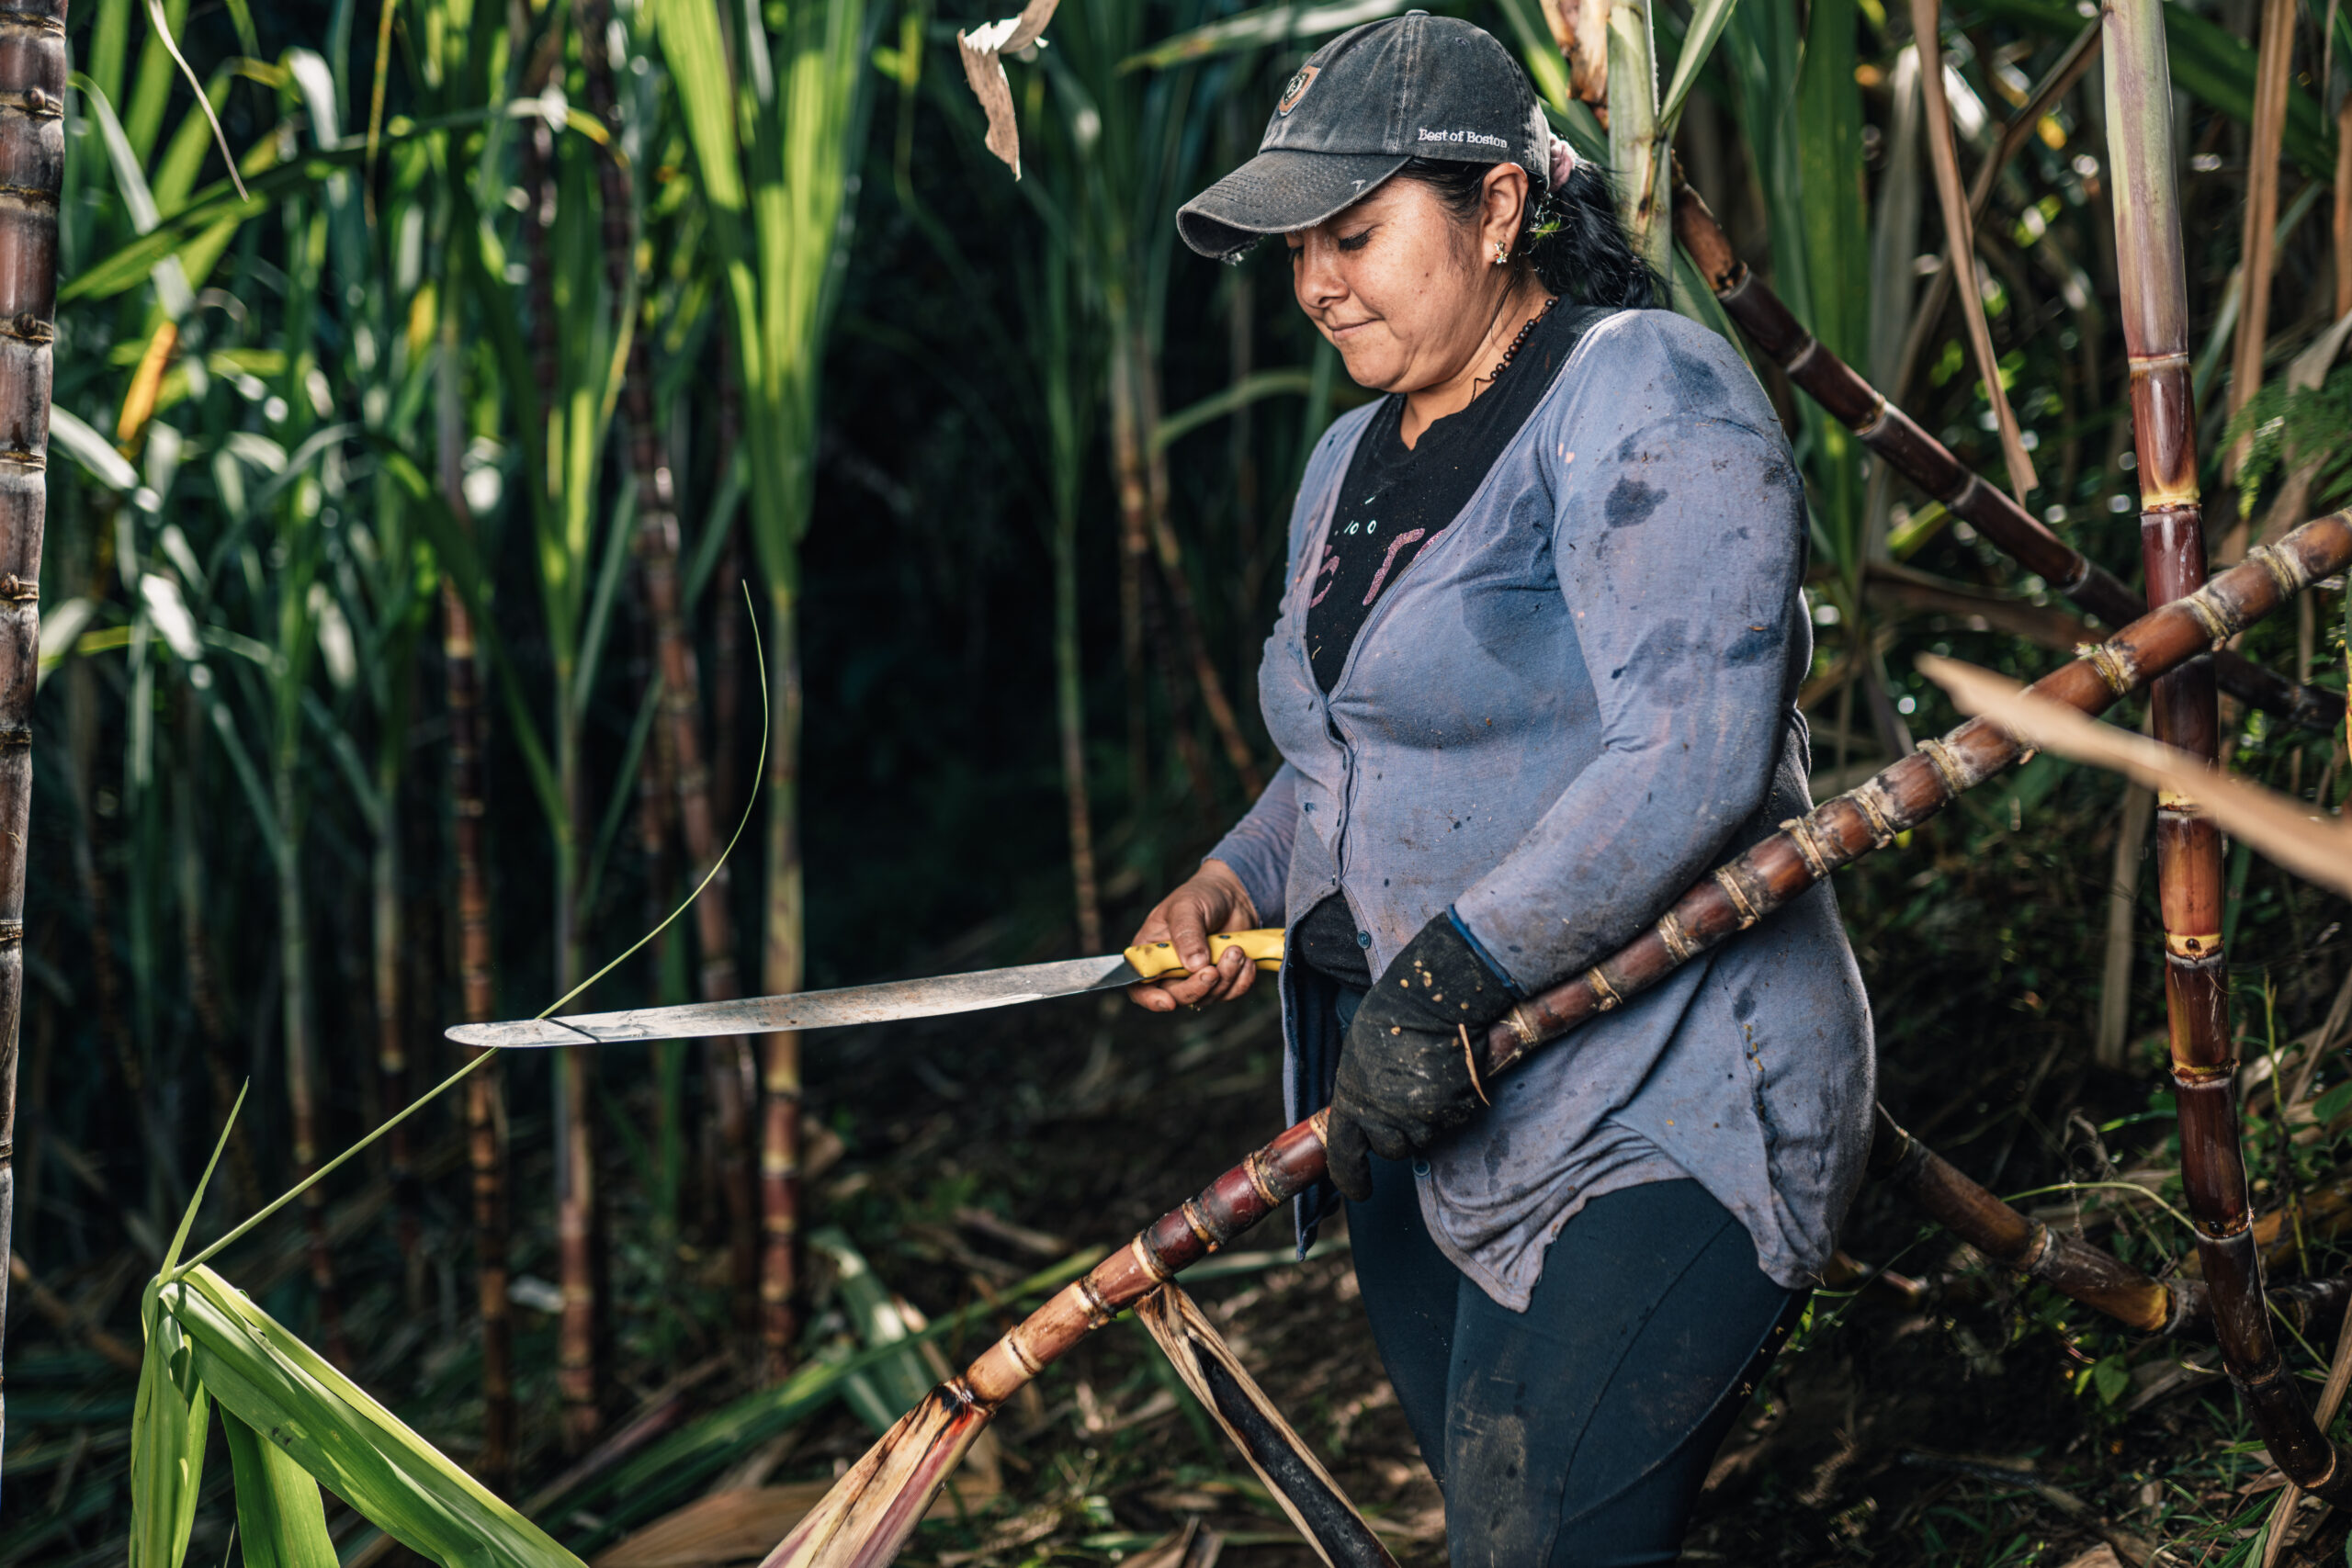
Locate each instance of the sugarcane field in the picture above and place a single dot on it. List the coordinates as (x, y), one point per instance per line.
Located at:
(1192, 784)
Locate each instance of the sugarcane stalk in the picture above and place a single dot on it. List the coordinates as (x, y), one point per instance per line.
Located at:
(1135, 543)
(485, 1107)
(389, 948)
(783, 968)
(2152, 271)
(2259, 251)
(2179, 1306)
(2020, 128)
(859, 1523)
(1929, 464)
(728, 1067)
(676, 664)
(32, 147)
(574, 1070)
(2342, 220)
(1637, 149)
(1960, 232)
(296, 1006)
(1171, 553)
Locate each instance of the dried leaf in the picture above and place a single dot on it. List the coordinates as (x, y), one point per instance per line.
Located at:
(1282, 1459)
(2294, 833)
(983, 49)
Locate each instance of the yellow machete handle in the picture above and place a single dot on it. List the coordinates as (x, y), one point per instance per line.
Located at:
(1157, 960)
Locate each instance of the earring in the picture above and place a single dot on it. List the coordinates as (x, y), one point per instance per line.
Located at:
(1502, 253)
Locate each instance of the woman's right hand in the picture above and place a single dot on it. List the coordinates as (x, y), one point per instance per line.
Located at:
(1212, 900)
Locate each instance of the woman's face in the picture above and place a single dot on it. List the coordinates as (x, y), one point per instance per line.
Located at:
(1405, 290)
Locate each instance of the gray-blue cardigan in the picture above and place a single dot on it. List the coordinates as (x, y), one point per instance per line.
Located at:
(1578, 700)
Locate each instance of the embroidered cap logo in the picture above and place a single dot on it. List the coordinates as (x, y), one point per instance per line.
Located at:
(1296, 87)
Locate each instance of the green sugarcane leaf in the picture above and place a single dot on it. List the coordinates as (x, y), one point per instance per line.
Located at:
(128, 265)
(897, 1383)
(182, 159)
(690, 38)
(1707, 23)
(342, 1437)
(167, 1432)
(281, 1519)
(1836, 255)
(1258, 29)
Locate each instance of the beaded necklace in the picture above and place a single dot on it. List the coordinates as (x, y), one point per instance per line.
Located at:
(1511, 353)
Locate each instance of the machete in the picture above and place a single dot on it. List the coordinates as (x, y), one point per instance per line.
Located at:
(883, 1003)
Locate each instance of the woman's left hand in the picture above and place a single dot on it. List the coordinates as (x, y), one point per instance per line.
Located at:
(1405, 1079)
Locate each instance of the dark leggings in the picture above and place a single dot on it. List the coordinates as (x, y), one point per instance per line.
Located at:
(1576, 1434)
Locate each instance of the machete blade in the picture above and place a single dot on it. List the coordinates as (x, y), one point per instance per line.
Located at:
(882, 1003)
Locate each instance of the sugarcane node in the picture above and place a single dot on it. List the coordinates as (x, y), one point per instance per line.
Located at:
(2284, 568)
(1677, 941)
(2194, 946)
(2037, 1246)
(1147, 1260)
(1230, 1206)
(2114, 666)
(1892, 1148)
(2217, 630)
(1603, 992)
(1799, 832)
(1728, 878)
(1878, 807)
(1947, 767)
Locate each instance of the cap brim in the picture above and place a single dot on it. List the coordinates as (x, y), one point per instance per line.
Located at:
(1278, 191)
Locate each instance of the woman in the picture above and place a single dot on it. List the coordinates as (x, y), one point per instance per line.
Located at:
(1534, 674)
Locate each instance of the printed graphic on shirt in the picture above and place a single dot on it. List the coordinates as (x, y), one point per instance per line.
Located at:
(1396, 503)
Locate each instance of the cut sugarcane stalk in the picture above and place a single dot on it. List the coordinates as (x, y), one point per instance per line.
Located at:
(875, 1507)
(1278, 1455)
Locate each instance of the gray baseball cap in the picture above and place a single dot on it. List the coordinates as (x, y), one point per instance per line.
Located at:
(1365, 104)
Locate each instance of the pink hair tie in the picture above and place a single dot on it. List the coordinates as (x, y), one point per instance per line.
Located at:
(1564, 163)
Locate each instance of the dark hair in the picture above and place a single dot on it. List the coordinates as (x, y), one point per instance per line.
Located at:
(1571, 237)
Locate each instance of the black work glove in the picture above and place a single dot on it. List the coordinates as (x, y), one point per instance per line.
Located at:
(1405, 1080)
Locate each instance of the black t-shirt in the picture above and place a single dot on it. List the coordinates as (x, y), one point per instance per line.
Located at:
(1395, 499)
(1393, 503)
